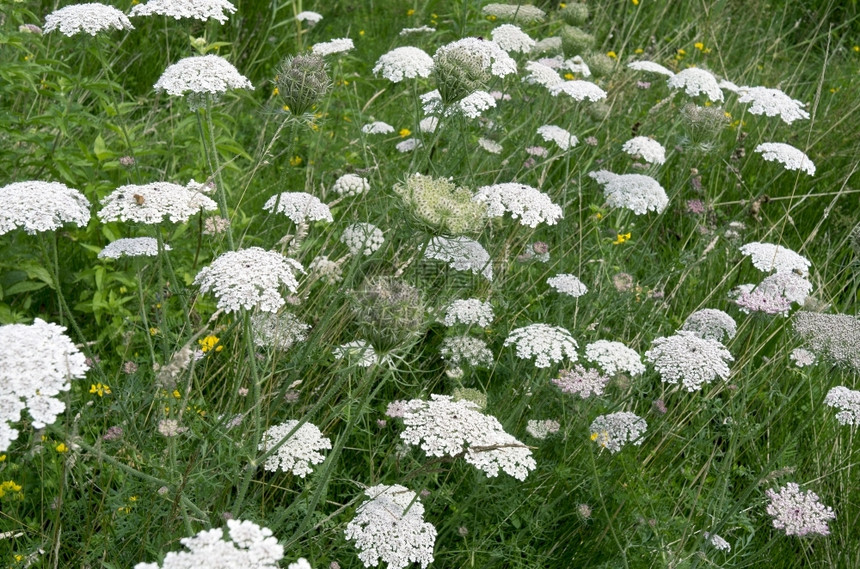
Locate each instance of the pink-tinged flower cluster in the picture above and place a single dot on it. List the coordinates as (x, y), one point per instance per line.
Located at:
(798, 513)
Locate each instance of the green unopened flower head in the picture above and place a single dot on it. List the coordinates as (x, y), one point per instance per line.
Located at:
(459, 73)
(598, 112)
(574, 14)
(575, 41)
(703, 123)
(302, 82)
(441, 205)
(600, 64)
(389, 311)
(479, 398)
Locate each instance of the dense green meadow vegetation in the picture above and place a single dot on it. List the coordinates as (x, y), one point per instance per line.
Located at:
(162, 432)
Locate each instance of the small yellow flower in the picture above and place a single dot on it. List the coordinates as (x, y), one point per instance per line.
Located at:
(682, 52)
(622, 237)
(635, 2)
(124, 509)
(612, 54)
(286, 108)
(856, 48)
(295, 160)
(708, 103)
(2, 457)
(153, 331)
(638, 50)
(9, 486)
(209, 343)
(176, 394)
(699, 45)
(562, 5)
(833, 89)
(361, 33)
(315, 127)
(568, 76)
(491, 18)
(61, 448)
(410, 11)
(133, 499)
(594, 436)
(99, 389)
(275, 91)
(404, 132)
(728, 114)
(598, 216)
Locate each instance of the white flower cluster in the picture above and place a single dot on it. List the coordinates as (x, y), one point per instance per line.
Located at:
(689, 359)
(695, 81)
(752, 298)
(418, 30)
(390, 527)
(578, 90)
(362, 238)
(650, 67)
(523, 13)
(299, 452)
(133, 247)
(308, 16)
(835, 336)
(201, 74)
(428, 124)
(787, 155)
(563, 139)
(249, 278)
(493, 58)
(798, 513)
(444, 427)
(151, 203)
(300, 207)
(636, 192)
(768, 257)
(718, 542)
(197, 9)
(36, 364)
(848, 403)
(576, 64)
(360, 351)
(377, 127)
(616, 429)
(542, 429)
(323, 268)
(712, 324)
(490, 146)
(90, 18)
(248, 546)
(469, 311)
(460, 350)
(547, 344)
(408, 145)
(581, 381)
(511, 38)
(614, 357)
(802, 357)
(788, 285)
(278, 331)
(539, 74)
(772, 103)
(404, 63)
(351, 185)
(567, 284)
(528, 204)
(41, 206)
(472, 105)
(339, 45)
(648, 149)
(461, 254)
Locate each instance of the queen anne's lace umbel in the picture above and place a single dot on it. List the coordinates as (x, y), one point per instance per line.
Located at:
(688, 359)
(300, 207)
(444, 427)
(377, 127)
(202, 74)
(547, 344)
(492, 57)
(404, 63)
(39, 206)
(697, 81)
(248, 546)
(772, 103)
(636, 192)
(390, 527)
(90, 18)
(351, 185)
(648, 149)
(362, 238)
(279, 331)
(466, 350)
(197, 9)
(617, 429)
(614, 357)
(131, 247)
(469, 311)
(768, 257)
(511, 38)
(798, 513)
(578, 90)
(299, 452)
(339, 45)
(650, 67)
(36, 364)
(151, 203)
(848, 403)
(523, 202)
(787, 155)
(539, 74)
(581, 381)
(461, 254)
(712, 324)
(249, 278)
(562, 138)
(567, 284)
